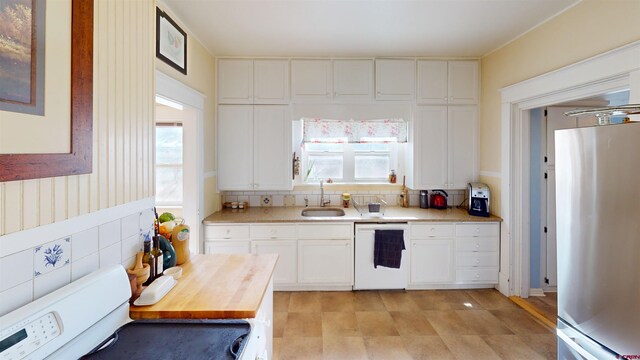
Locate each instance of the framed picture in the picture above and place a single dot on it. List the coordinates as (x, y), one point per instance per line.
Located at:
(22, 46)
(171, 42)
(79, 159)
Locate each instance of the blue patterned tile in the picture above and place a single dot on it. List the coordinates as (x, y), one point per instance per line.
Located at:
(51, 256)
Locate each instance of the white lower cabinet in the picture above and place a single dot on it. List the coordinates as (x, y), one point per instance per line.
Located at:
(226, 239)
(477, 249)
(226, 247)
(328, 262)
(432, 261)
(285, 272)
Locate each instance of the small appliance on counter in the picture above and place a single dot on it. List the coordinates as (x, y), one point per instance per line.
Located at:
(478, 199)
(424, 199)
(439, 199)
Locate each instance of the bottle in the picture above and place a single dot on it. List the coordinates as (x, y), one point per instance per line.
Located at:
(159, 256)
(392, 177)
(149, 258)
(180, 240)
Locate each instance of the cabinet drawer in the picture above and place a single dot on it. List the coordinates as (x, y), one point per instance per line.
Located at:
(477, 259)
(477, 230)
(226, 232)
(431, 230)
(273, 231)
(489, 275)
(227, 247)
(325, 232)
(477, 244)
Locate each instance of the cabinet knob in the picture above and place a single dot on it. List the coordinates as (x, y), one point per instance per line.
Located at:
(445, 98)
(477, 245)
(477, 276)
(228, 231)
(328, 94)
(477, 261)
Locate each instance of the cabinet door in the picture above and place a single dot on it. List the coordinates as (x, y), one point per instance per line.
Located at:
(432, 82)
(353, 79)
(272, 148)
(395, 79)
(325, 262)
(235, 147)
(235, 81)
(270, 81)
(311, 80)
(226, 247)
(432, 261)
(463, 82)
(463, 146)
(430, 147)
(286, 268)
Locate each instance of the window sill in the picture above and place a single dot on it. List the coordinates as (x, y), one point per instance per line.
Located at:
(349, 186)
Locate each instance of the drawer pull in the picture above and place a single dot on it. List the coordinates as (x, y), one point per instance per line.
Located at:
(477, 276)
(477, 261)
(228, 231)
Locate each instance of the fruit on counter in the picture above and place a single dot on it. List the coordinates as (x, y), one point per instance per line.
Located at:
(162, 230)
(166, 216)
(169, 225)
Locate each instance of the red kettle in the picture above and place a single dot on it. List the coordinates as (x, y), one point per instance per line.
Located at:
(438, 200)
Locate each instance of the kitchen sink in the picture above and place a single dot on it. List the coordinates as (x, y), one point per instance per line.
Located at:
(322, 212)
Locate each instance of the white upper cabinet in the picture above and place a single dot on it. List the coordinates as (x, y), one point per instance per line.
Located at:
(345, 80)
(447, 82)
(395, 79)
(272, 148)
(243, 81)
(254, 147)
(463, 146)
(271, 81)
(235, 147)
(463, 82)
(235, 81)
(353, 80)
(444, 151)
(311, 80)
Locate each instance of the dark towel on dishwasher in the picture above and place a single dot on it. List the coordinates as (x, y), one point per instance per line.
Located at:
(387, 248)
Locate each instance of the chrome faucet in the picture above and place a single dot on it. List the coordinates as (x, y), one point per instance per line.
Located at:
(322, 202)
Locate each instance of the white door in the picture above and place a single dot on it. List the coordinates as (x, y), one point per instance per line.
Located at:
(353, 79)
(271, 81)
(463, 82)
(432, 82)
(325, 262)
(235, 81)
(462, 146)
(395, 79)
(430, 147)
(286, 268)
(235, 147)
(311, 80)
(432, 261)
(272, 148)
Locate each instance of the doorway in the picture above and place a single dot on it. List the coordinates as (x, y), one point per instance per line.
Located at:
(179, 154)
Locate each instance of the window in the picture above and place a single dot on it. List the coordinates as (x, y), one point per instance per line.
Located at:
(169, 167)
(349, 162)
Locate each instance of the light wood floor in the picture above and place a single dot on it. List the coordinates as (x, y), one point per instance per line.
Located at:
(543, 307)
(442, 324)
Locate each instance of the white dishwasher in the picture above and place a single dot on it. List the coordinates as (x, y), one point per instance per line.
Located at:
(366, 276)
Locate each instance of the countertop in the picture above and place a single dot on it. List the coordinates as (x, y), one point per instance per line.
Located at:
(216, 286)
(292, 214)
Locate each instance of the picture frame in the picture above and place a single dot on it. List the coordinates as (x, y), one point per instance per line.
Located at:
(171, 42)
(78, 161)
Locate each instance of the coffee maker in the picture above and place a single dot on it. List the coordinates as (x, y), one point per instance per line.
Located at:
(478, 199)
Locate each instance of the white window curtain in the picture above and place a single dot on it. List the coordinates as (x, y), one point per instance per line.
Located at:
(354, 131)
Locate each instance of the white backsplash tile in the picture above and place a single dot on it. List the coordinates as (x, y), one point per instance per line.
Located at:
(109, 234)
(16, 269)
(84, 266)
(51, 256)
(16, 297)
(300, 200)
(129, 225)
(289, 200)
(84, 243)
(111, 255)
(131, 245)
(147, 218)
(278, 200)
(46, 283)
(254, 200)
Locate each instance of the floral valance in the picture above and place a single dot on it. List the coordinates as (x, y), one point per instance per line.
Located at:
(354, 131)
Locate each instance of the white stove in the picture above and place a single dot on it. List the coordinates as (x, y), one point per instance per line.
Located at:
(72, 321)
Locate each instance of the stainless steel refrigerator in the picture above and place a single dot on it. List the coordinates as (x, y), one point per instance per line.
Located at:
(598, 232)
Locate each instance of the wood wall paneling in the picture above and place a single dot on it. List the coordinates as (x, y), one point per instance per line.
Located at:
(123, 100)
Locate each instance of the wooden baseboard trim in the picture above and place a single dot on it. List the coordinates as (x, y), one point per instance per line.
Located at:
(533, 311)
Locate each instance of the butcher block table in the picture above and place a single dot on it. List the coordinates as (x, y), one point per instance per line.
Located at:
(216, 286)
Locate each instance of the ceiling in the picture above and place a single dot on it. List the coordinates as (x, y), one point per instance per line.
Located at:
(466, 28)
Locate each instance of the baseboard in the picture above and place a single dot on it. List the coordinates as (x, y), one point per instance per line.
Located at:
(450, 286)
(536, 292)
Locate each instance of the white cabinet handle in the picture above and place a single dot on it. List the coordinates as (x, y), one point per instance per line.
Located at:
(477, 261)
(445, 98)
(328, 94)
(477, 276)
